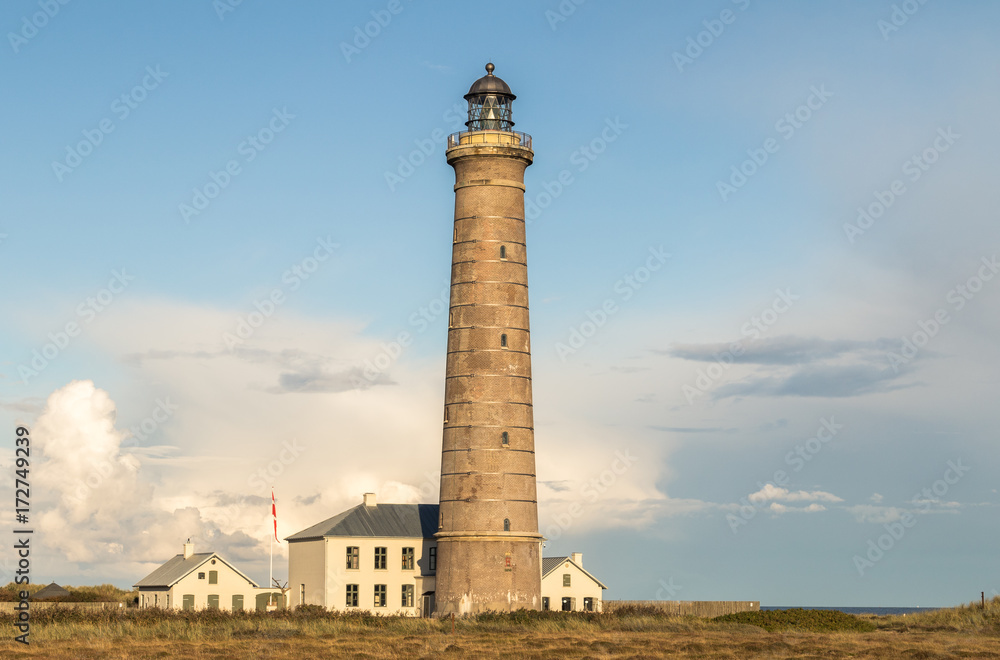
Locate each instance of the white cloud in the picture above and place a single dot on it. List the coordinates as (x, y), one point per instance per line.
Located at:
(779, 509)
(770, 492)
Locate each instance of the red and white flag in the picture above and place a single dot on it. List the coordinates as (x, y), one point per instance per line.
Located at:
(274, 514)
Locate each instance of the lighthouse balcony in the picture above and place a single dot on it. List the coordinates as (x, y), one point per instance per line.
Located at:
(502, 138)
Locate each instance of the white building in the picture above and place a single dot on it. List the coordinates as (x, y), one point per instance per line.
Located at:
(569, 588)
(192, 581)
(375, 557)
(383, 558)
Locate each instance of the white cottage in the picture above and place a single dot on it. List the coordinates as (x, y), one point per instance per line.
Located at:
(569, 588)
(375, 557)
(192, 581)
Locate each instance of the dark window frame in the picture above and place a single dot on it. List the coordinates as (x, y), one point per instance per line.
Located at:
(381, 558)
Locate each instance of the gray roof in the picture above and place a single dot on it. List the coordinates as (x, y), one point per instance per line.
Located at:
(381, 520)
(550, 564)
(51, 591)
(174, 569)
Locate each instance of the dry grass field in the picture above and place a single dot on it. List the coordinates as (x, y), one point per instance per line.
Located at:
(965, 632)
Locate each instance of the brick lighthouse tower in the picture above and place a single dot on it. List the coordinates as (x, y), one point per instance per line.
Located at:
(489, 548)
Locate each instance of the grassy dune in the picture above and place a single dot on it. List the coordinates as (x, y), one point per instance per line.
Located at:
(963, 632)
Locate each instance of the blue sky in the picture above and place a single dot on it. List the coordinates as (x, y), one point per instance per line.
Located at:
(746, 159)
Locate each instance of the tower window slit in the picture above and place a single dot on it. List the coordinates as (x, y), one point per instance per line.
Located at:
(503, 251)
(503, 341)
(506, 524)
(504, 438)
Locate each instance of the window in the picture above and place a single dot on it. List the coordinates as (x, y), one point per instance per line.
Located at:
(237, 602)
(432, 559)
(352, 595)
(379, 595)
(302, 594)
(380, 557)
(407, 595)
(504, 438)
(545, 603)
(567, 604)
(503, 341)
(567, 579)
(201, 576)
(446, 414)
(156, 600)
(407, 559)
(506, 524)
(503, 251)
(588, 604)
(353, 561)
(213, 601)
(213, 577)
(168, 601)
(187, 602)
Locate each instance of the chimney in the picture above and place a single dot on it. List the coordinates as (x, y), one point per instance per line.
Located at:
(188, 549)
(577, 558)
(369, 499)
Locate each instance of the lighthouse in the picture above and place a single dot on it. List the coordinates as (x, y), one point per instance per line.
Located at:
(488, 545)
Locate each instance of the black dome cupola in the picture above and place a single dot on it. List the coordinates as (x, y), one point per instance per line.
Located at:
(490, 101)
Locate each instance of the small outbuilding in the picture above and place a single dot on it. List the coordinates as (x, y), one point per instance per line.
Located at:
(193, 581)
(566, 586)
(51, 592)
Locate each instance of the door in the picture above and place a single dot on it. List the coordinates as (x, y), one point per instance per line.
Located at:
(213, 601)
(187, 602)
(567, 604)
(427, 605)
(238, 602)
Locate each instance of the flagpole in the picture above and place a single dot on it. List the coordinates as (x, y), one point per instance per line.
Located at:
(270, 572)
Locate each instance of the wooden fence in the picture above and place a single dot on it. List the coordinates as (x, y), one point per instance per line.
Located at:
(700, 608)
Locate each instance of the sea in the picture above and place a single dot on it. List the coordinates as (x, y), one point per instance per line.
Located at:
(881, 611)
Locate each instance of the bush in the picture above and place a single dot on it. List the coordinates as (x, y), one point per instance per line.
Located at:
(800, 619)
